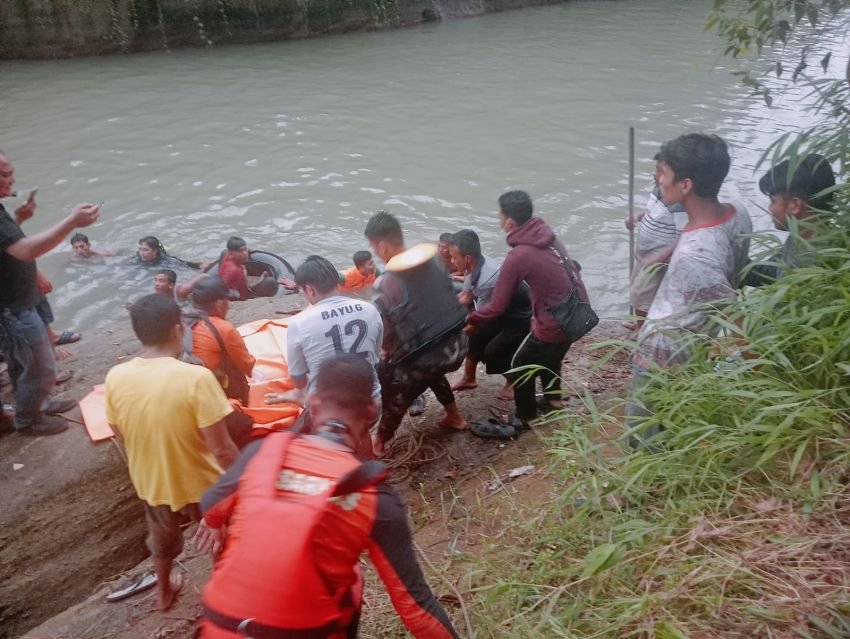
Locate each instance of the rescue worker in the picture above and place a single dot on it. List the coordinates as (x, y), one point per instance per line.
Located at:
(300, 509)
(423, 324)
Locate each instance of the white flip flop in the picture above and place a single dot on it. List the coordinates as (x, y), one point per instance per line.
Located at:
(139, 583)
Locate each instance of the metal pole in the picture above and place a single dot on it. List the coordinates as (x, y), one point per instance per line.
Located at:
(631, 205)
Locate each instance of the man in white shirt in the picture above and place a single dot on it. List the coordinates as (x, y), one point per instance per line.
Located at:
(332, 324)
(705, 268)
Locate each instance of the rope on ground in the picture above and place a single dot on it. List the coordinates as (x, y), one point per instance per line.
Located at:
(470, 631)
(412, 444)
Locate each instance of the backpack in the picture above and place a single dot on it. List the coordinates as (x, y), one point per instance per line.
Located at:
(231, 379)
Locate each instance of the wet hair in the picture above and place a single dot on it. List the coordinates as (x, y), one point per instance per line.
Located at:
(208, 290)
(517, 206)
(171, 275)
(361, 257)
(317, 272)
(156, 245)
(236, 244)
(467, 243)
(384, 227)
(804, 180)
(79, 237)
(702, 158)
(444, 237)
(153, 317)
(345, 379)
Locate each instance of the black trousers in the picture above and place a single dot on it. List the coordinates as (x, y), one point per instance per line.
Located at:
(547, 355)
(496, 343)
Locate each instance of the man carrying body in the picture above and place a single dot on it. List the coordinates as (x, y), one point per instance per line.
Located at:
(313, 488)
(705, 267)
(498, 340)
(23, 335)
(538, 258)
(795, 192)
(170, 415)
(331, 324)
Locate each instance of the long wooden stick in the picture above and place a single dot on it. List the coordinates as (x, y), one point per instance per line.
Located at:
(631, 205)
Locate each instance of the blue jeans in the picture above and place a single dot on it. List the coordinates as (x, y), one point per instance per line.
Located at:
(32, 363)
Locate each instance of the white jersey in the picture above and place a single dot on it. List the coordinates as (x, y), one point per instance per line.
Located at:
(336, 324)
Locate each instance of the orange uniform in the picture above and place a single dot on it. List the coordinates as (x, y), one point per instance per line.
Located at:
(289, 568)
(351, 279)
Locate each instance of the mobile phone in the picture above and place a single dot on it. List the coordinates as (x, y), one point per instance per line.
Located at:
(31, 196)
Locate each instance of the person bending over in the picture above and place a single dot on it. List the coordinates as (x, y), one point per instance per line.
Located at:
(538, 258)
(423, 328)
(331, 508)
(498, 340)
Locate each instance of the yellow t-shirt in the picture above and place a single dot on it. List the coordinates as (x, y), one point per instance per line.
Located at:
(159, 406)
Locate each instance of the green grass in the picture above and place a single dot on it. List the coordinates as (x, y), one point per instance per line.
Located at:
(739, 527)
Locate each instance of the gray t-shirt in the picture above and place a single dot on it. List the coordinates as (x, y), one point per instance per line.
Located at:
(336, 324)
(705, 268)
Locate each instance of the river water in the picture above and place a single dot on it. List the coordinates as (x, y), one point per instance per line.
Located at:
(294, 145)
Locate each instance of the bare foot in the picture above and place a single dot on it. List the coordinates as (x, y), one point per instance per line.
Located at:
(455, 423)
(465, 384)
(168, 594)
(507, 393)
(377, 446)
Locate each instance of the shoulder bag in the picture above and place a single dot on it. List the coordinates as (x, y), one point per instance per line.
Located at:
(574, 315)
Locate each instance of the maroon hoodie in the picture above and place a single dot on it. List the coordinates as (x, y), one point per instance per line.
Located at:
(531, 259)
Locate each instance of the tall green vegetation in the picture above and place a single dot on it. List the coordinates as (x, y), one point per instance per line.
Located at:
(739, 525)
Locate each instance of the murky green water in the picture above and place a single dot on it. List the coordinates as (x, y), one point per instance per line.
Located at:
(294, 145)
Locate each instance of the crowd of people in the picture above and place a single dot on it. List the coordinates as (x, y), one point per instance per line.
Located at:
(358, 365)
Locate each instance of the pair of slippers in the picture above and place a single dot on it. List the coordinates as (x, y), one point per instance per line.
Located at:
(499, 428)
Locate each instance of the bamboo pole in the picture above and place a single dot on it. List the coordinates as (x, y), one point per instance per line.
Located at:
(631, 206)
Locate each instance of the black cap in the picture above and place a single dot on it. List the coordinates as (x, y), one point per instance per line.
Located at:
(209, 290)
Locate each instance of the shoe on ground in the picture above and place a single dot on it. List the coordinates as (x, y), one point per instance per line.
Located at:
(417, 407)
(47, 425)
(59, 406)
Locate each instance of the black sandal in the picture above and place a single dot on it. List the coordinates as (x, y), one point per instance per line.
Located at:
(495, 428)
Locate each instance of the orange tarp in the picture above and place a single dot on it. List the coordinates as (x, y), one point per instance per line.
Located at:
(265, 340)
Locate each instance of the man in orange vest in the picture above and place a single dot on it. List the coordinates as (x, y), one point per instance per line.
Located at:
(362, 275)
(300, 509)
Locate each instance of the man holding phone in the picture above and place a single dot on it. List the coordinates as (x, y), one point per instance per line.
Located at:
(23, 336)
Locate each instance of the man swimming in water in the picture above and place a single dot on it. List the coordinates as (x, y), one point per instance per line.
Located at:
(83, 250)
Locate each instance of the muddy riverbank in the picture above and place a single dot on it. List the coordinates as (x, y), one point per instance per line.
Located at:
(72, 525)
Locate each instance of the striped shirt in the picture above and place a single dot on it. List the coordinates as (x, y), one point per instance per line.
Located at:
(660, 225)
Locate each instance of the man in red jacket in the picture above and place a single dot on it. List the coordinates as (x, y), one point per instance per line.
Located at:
(300, 509)
(536, 257)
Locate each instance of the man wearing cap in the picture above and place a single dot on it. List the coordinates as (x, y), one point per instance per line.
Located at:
(215, 341)
(423, 324)
(800, 192)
